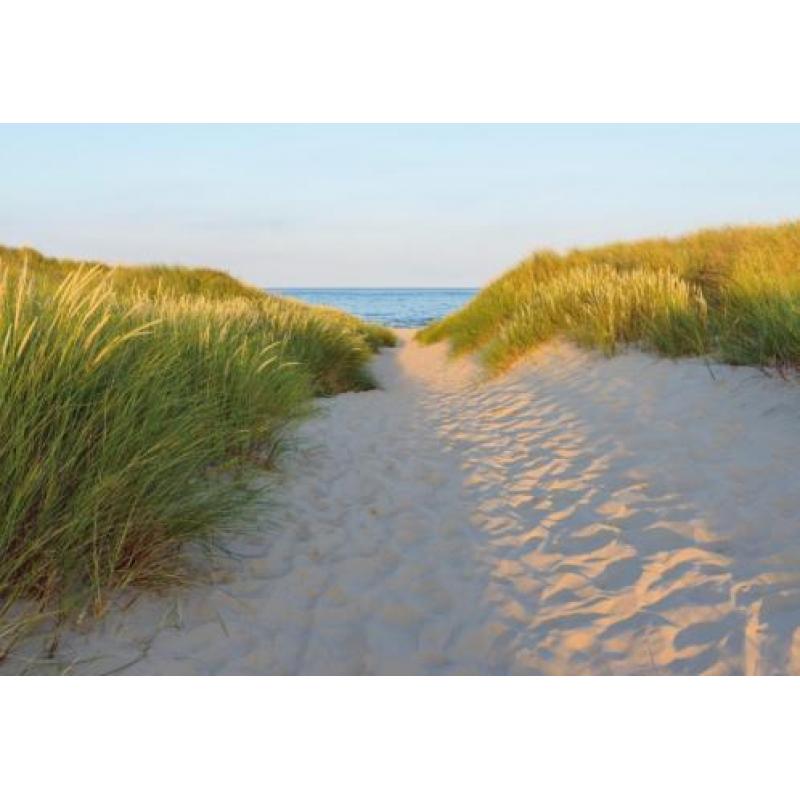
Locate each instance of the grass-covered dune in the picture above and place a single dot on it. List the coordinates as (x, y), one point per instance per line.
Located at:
(732, 293)
(135, 404)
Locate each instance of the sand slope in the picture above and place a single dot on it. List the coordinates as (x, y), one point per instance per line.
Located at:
(580, 515)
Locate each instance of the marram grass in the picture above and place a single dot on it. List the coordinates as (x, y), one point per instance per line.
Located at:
(600, 307)
(732, 294)
(134, 410)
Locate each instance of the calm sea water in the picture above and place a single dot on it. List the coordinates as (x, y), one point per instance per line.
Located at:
(398, 308)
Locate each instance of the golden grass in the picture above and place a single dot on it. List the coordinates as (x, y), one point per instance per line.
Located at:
(731, 293)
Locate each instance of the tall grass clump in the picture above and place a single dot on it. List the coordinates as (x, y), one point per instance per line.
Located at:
(133, 418)
(732, 293)
(759, 320)
(602, 308)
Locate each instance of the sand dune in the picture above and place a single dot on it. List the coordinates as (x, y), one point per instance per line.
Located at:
(579, 515)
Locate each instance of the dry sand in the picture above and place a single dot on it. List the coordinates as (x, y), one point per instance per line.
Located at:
(579, 515)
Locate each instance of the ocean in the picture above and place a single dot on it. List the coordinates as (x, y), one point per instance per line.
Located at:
(397, 308)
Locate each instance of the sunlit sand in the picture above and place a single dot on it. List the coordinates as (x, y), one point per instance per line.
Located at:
(578, 515)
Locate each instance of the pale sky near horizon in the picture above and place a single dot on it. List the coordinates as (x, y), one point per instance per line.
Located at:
(380, 205)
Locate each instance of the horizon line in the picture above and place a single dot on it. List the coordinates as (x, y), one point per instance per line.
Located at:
(307, 288)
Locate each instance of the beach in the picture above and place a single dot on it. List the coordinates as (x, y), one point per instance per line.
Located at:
(578, 515)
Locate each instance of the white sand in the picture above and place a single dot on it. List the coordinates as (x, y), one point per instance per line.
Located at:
(580, 515)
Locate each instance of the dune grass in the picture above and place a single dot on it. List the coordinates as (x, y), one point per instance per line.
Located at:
(135, 405)
(731, 293)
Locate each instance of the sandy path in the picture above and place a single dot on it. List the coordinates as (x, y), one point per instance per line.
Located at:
(580, 515)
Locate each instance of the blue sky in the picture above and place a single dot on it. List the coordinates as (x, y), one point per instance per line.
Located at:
(380, 205)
